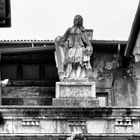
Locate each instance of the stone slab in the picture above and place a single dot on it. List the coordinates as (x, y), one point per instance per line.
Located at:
(75, 89)
(80, 101)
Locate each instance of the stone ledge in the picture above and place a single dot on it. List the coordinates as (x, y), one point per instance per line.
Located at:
(59, 112)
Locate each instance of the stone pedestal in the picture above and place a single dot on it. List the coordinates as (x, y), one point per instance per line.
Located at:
(75, 94)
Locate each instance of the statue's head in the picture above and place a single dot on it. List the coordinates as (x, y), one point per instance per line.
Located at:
(78, 20)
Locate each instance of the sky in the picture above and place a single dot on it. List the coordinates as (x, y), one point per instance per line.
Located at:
(46, 19)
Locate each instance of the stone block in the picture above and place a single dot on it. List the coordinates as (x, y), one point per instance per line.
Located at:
(75, 89)
(71, 101)
(75, 93)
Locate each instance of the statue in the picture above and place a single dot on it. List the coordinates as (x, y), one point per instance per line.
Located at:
(73, 51)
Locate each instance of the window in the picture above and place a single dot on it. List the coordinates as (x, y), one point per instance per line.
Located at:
(9, 71)
(30, 71)
(50, 71)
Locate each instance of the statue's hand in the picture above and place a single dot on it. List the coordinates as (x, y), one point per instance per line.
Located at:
(88, 50)
(58, 41)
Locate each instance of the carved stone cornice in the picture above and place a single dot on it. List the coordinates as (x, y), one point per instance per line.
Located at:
(69, 112)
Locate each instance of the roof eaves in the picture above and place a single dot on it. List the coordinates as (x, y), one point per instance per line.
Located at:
(27, 49)
(108, 42)
(133, 33)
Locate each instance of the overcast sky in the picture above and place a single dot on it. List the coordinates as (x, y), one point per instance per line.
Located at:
(45, 19)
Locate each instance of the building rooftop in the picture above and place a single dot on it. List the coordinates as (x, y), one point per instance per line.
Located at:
(15, 46)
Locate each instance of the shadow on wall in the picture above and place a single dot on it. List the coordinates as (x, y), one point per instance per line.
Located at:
(124, 89)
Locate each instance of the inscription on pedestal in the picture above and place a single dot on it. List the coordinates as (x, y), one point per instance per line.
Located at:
(75, 89)
(75, 94)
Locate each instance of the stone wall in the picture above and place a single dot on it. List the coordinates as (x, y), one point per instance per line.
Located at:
(27, 95)
(136, 53)
(110, 73)
(124, 88)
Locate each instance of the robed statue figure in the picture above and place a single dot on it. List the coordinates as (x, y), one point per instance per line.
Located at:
(73, 51)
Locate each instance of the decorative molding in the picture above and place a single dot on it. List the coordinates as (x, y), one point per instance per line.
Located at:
(52, 112)
(124, 121)
(77, 126)
(30, 122)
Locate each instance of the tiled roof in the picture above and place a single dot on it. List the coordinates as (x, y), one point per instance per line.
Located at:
(51, 41)
(26, 41)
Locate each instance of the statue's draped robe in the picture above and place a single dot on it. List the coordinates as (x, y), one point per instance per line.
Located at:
(73, 51)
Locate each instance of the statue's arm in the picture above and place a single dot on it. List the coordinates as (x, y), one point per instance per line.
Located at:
(66, 35)
(60, 40)
(86, 41)
(85, 38)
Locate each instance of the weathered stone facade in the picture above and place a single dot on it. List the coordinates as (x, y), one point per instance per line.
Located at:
(35, 105)
(34, 116)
